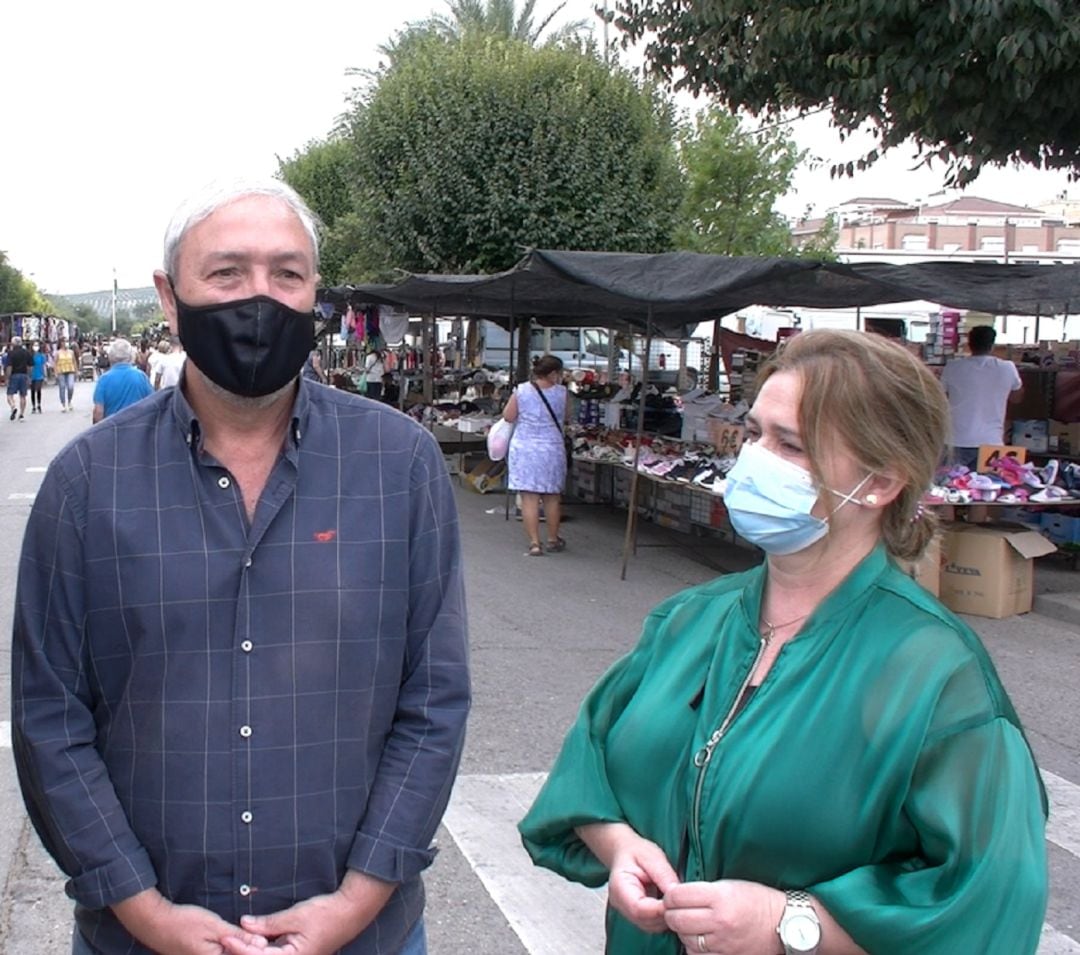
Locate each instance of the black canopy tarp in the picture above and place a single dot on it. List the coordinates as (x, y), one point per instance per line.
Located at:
(679, 289)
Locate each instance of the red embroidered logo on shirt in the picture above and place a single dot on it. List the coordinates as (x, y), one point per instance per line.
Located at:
(324, 537)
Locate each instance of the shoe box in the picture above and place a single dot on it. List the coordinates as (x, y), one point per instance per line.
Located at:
(988, 569)
(1060, 528)
(1033, 434)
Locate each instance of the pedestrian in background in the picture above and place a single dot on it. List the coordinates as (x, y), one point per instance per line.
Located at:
(537, 459)
(122, 385)
(66, 368)
(979, 388)
(19, 363)
(37, 376)
(170, 364)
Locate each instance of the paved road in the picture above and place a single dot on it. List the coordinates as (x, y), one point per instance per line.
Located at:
(542, 631)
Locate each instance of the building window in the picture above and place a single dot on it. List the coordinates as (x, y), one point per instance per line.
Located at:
(1068, 245)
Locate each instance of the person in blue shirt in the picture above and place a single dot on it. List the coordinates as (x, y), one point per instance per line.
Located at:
(122, 385)
(37, 377)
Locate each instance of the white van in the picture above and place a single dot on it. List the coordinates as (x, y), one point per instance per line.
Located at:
(578, 347)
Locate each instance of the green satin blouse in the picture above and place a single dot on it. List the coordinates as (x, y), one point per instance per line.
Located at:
(880, 766)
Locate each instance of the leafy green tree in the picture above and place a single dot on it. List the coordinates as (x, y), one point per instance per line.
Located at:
(822, 245)
(973, 82)
(320, 173)
(466, 152)
(17, 293)
(733, 180)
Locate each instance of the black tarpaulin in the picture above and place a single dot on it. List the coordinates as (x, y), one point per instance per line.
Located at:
(680, 289)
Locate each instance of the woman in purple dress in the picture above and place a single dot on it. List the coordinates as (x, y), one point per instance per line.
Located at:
(537, 458)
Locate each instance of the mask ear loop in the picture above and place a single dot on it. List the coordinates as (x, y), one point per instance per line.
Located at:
(850, 497)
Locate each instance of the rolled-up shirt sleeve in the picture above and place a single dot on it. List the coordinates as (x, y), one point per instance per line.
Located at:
(65, 784)
(421, 754)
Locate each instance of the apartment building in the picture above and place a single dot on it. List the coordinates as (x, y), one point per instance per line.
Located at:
(967, 227)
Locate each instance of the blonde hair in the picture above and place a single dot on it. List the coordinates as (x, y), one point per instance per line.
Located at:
(875, 400)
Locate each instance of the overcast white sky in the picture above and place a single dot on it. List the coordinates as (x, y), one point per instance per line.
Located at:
(115, 111)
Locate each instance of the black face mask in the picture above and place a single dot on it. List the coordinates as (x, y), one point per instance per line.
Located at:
(251, 347)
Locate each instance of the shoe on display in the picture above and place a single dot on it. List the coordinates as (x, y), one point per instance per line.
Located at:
(1048, 473)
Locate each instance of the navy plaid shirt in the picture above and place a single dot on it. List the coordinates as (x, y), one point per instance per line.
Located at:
(234, 712)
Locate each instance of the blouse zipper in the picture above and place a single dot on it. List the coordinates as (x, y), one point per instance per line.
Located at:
(704, 755)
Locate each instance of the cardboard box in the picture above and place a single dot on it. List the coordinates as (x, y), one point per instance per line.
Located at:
(1065, 438)
(1033, 434)
(988, 453)
(987, 569)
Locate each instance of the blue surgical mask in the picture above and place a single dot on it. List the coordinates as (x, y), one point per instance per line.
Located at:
(769, 501)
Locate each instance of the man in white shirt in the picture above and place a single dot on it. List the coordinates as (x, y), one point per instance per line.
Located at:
(979, 388)
(170, 365)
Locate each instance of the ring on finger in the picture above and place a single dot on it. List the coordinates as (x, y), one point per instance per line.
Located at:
(701, 946)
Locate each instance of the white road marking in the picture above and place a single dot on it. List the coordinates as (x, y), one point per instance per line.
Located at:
(554, 917)
(550, 915)
(36, 470)
(19, 496)
(5, 734)
(1063, 829)
(1053, 942)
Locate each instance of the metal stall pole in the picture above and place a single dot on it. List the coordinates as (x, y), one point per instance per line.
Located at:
(427, 370)
(510, 370)
(1038, 320)
(630, 539)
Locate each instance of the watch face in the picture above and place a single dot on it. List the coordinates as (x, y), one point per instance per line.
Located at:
(801, 933)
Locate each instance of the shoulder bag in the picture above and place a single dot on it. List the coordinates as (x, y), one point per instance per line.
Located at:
(568, 445)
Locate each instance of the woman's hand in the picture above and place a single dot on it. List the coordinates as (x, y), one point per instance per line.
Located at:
(640, 874)
(728, 917)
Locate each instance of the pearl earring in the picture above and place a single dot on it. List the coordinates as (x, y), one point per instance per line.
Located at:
(871, 499)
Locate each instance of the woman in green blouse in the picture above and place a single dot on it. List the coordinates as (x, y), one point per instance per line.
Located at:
(814, 756)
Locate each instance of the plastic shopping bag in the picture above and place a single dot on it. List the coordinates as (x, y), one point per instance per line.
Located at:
(498, 439)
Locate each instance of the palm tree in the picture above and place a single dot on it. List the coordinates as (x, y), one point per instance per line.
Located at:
(499, 18)
(502, 18)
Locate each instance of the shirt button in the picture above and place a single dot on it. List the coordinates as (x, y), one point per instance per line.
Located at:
(246, 646)
(247, 563)
(246, 816)
(245, 731)
(245, 890)
(223, 482)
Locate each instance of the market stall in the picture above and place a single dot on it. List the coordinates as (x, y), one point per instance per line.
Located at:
(669, 293)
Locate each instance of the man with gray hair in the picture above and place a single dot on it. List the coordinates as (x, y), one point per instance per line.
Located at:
(122, 385)
(237, 723)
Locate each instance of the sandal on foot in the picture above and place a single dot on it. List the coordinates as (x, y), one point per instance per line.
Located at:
(535, 550)
(556, 546)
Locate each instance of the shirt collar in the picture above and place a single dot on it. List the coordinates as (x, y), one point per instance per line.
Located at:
(190, 428)
(850, 589)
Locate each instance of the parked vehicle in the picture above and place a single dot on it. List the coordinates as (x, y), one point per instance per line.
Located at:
(583, 347)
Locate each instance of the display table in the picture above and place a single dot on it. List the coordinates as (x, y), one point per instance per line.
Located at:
(456, 445)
